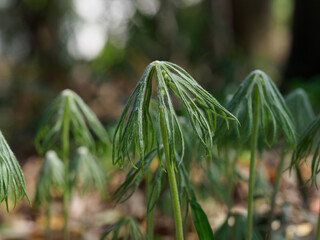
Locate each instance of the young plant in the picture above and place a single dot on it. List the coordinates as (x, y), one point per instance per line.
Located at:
(68, 124)
(51, 176)
(299, 105)
(12, 184)
(137, 132)
(309, 144)
(261, 110)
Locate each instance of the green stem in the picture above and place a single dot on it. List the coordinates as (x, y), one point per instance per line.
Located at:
(275, 191)
(48, 214)
(65, 156)
(172, 179)
(254, 141)
(150, 215)
(318, 227)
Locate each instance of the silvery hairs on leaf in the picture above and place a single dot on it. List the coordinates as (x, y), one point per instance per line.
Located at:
(300, 107)
(274, 114)
(85, 171)
(309, 144)
(12, 184)
(136, 135)
(51, 175)
(85, 127)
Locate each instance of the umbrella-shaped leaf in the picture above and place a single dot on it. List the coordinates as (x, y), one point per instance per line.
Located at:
(12, 184)
(69, 109)
(274, 114)
(51, 175)
(135, 134)
(85, 171)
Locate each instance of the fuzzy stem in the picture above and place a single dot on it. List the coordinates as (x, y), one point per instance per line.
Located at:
(254, 141)
(150, 215)
(275, 191)
(65, 156)
(172, 179)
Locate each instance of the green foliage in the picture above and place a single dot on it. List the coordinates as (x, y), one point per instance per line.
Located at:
(274, 114)
(12, 183)
(309, 143)
(199, 217)
(85, 171)
(136, 133)
(131, 230)
(69, 109)
(300, 107)
(51, 175)
(133, 179)
(200, 221)
(236, 230)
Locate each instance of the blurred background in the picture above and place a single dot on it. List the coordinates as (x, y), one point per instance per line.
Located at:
(99, 48)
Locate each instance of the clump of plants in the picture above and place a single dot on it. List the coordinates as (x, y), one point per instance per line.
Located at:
(262, 112)
(74, 132)
(12, 184)
(138, 132)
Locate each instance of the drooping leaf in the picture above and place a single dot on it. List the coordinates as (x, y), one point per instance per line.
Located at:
(133, 179)
(274, 114)
(85, 128)
(135, 134)
(12, 184)
(300, 107)
(309, 144)
(85, 172)
(51, 175)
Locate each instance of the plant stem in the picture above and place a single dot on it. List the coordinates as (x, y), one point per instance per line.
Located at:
(275, 191)
(150, 215)
(65, 156)
(254, 141)
(172, 179)
(48, 214)
(318, 227)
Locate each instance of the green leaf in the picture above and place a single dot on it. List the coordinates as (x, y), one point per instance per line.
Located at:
(136, 131)
(85, 128)
(51, 175)
(274, 114)
(131, 230)
(236, 230)
(200, 221)
(309, 144)
(133, 179)
(300, 107)
(12, 184)
(85, 172)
